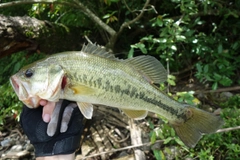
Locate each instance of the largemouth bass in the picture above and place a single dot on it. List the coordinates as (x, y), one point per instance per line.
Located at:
(94, 76)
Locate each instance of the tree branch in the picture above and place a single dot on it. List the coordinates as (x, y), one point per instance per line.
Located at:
(113, 39)
(227, 89)
(15, 3)
(124, 148)
(136, 139)
(126, 24)
(228, 129)
(76, 4)
(95, 18)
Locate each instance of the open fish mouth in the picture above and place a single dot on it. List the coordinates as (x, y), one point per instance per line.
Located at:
(22, 93)
(15, 85)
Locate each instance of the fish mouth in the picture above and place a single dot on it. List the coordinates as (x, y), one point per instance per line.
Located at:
(15, 85)
(22, 93)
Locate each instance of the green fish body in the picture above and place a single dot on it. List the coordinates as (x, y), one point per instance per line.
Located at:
(94, 76)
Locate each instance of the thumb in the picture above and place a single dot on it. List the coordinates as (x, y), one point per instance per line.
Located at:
(47, 111)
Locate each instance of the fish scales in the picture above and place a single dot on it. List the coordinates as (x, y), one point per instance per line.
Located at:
(93, 76)
(131, 93)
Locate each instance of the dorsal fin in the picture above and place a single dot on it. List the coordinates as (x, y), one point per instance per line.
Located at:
(97, 50)
(151, 69)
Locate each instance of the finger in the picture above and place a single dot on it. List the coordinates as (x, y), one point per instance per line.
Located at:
(47, 111)
(43, 102)
(52, 125)
(67, 116)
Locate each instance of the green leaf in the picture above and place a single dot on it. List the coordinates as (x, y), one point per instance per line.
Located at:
(235, 45)
(131, 53)
(160, 134)
(17, 66)
(172, 132)
(205, 69)
(159, 22)
(173, 47)
(171, 82)
(225, 81)
(215, 86)
(106, 16)
(199, 67)
(153, 137)
(180, 37)
(166, 141)
(220, 48)
(141, 46)
(217, 77)
(179, 142)
(158, 154)
(147, 38)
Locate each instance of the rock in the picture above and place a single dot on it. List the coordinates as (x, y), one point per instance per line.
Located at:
(226, 94)
(171, 152)
(15, 155)
(125, 157)
(29, 147)
(17, 148)
(6, 142)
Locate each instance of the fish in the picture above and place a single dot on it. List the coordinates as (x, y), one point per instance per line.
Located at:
(94, 76)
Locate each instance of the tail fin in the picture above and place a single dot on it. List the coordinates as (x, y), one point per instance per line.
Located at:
(201, 122)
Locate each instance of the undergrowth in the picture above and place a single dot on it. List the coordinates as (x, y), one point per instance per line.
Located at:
(223, 145)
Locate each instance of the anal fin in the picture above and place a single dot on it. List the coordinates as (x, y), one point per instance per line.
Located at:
(86, 109)
(135, 114)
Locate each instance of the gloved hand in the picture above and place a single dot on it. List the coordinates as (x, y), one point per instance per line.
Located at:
(66, 115)
(64, 129)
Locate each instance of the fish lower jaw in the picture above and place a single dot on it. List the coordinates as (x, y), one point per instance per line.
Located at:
(14, 84)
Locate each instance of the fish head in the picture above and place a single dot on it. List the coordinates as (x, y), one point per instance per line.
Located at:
(41, 81)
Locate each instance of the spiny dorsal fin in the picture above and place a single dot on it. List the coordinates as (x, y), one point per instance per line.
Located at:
(151, 69)
(97, 50)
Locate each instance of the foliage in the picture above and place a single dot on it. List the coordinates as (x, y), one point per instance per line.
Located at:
(182, 34)
(191, 39)
(222, 145)
(9, 103)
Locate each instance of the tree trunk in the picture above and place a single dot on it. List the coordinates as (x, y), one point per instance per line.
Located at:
(33, 35)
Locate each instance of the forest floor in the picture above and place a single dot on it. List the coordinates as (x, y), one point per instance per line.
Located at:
(110, 134)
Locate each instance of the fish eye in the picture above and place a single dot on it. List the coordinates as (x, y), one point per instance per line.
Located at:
(29, 73)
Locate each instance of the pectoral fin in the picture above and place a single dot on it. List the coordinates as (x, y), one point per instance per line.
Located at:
(82, 89)
(86, 109)
(135, 114)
